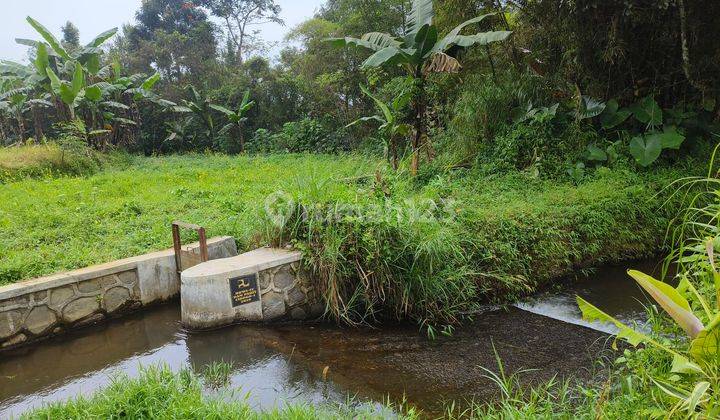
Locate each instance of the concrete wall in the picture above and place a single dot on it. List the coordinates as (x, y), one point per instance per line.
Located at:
(47, 306)
(280, 290)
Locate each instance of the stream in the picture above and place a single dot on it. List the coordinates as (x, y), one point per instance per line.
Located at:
(281, 364)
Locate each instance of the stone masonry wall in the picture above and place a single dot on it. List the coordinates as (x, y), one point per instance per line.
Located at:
(50, 312)
(48, 306)
(286, 293)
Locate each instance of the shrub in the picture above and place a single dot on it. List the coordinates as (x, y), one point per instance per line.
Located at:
(306, 135)
(486, 108)
(309, 135)
(545, 148)
(262, 141)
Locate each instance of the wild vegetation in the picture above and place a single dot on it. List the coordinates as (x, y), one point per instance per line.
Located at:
(519, 140)
(382, 246)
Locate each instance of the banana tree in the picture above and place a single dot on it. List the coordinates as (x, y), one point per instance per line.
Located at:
(421, 52)
(70, 92)
(89, 55)
(391, 129)
(201, 108)
(237, 118)
(17, 104)
(14, 103)
(17, 97)
(53, 63)
(180, 133)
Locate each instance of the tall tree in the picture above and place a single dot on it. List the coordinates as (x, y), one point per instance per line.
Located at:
(173, 36)
(241, 17)
(421, 52)
(71, 36)
(231, 58)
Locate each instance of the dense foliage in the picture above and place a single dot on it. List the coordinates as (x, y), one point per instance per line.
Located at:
(573, 70)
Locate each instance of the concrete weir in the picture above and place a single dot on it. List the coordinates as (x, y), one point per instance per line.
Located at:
(40, 308)
(264, 285)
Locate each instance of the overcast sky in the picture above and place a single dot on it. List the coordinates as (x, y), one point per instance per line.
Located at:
(95, 16)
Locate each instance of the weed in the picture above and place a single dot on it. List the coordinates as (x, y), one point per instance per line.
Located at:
(217, 374)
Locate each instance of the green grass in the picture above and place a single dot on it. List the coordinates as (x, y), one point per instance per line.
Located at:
(47, 160)
(51, 225)
(159, 393)
(394, 248)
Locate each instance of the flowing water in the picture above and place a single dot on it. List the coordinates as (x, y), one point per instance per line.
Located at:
(285, 363)
(610, 289)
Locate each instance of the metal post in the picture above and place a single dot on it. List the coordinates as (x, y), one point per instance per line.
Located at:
(177, 245)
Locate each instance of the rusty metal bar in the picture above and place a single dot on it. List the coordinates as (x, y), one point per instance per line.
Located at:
(177, 244)
(203, 245)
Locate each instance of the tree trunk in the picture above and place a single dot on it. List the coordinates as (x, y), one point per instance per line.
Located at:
(135, 115)
(3, 133)
(71, 113)
(21, 127)
(37, 122)
(419, 125)
(687, 63)
(241, 137)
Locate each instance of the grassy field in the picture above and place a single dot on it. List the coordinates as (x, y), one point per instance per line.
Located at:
(420, 250)
(57, 224)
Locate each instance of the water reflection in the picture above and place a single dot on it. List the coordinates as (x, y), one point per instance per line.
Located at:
(285, 363)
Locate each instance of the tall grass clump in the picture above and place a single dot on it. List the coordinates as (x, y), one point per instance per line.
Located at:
(217, 374)
(376, 258)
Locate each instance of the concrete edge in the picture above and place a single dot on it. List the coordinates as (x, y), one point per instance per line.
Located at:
(61, 279)
(266, 263)
(289, 258)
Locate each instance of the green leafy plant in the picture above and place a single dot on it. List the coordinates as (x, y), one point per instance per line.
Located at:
(199, 105)
(237, 118)
(696, 388)
(421, 52)
(660, 132)
(577, 172)
(588, 108)
(391, 129)
(612, 115)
